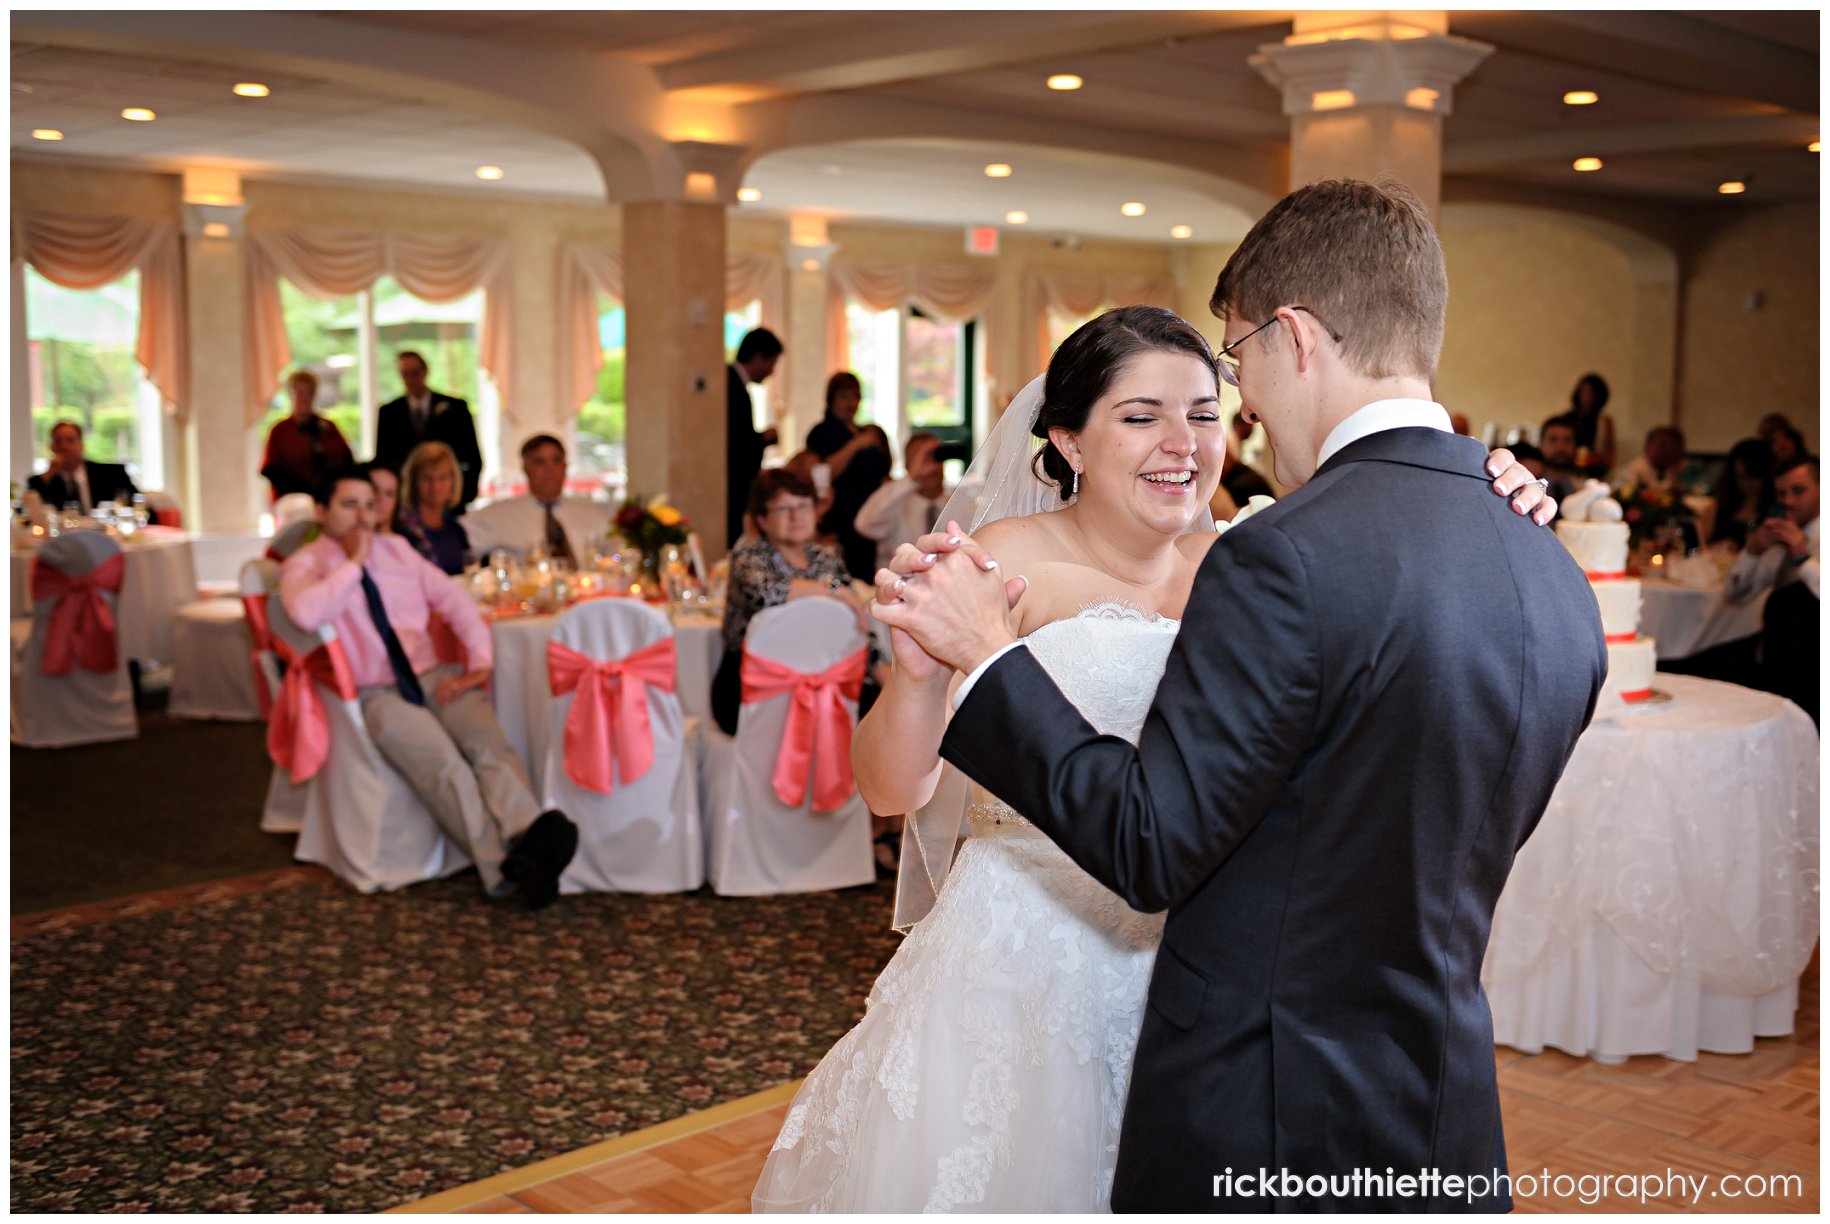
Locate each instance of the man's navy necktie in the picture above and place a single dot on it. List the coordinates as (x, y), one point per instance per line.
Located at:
(404, 678)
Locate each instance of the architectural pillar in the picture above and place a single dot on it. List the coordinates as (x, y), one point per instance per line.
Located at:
(25, 443)
(1366, 94)
(673, 293)
(809, 259)
(216, 465)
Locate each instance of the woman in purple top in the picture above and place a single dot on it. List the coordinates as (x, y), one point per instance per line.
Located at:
(430, 489)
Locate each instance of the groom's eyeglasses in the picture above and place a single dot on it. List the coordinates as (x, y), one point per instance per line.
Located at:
(1229, 364)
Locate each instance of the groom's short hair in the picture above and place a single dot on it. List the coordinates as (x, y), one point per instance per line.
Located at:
(1363, 257)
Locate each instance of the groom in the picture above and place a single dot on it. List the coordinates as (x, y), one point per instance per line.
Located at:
(1377, 684)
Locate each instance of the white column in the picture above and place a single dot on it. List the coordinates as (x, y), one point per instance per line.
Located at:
(23, 441)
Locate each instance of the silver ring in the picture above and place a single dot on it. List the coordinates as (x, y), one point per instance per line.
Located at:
(1544, 483)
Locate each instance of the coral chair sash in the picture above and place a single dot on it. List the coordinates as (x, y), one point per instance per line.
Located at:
(82, 624)
(607, 731)
(816, 742)
(298, 735)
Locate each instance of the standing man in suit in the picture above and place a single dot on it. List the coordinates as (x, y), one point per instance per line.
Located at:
(757, 354)
(425, 415)
(72, 478)
(1376, 686)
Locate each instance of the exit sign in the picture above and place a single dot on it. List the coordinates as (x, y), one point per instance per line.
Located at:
(981, 240)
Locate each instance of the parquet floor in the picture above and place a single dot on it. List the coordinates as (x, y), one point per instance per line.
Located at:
(1748, 1124)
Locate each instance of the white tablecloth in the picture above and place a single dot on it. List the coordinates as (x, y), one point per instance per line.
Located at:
(520, 690)
(1667, 902)
(160, 577)
(1685, 620)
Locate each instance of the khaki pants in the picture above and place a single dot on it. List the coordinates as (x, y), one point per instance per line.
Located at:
(461, 766)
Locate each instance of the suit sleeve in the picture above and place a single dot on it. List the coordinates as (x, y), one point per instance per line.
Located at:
(469, 454)
(1236, 707)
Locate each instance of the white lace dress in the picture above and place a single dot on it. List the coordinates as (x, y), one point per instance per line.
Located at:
(989, 1071)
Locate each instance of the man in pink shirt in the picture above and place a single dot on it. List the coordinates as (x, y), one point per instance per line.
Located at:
(431, 721)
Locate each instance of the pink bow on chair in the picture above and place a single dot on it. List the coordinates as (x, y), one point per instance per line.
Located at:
(82, 624)
(818, 732)
(608, 729)
(298, 737)
(254, 609)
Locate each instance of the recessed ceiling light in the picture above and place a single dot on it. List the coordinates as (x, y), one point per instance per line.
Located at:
(251, 89)
(810, 265)
(1133, 209)
(1585, 164)
(1814, 147)
(139, 114)
(215, 229)
(1065, 81)
(1181, 231)
(491, 173)
(997, 170)
(1581, 97)
(1017, 216)
(1732, 188)
(749, 195)
(46, 134)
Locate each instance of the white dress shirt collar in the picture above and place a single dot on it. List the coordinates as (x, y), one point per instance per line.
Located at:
(1379, 416)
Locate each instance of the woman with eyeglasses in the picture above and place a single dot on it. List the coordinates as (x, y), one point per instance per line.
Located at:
(783, 564)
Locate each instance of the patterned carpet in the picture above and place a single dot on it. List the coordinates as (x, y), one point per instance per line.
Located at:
(291, 1045)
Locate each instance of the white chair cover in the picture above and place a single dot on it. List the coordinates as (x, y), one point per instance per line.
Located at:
(645, 836)
(284, 811)
(164, 507)
(362, 821)
(211, 674)
(290, 538)
(82, 707)
(293, 508)
(759, 846)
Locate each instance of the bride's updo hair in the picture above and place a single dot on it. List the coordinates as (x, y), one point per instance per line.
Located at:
(1086, 363)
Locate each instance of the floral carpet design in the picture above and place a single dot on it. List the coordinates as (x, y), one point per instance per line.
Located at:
(306, 1048)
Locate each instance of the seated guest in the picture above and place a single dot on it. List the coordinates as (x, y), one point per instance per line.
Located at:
(72, 478)
(432, 722)
(303, 446)
(434, 484)
(1557, 443)
(1784, 555)
(1530, 458)
(387, 496)
(543, 519)
(783, 563)
(1662, 464)
(902, 510)
(1787, 445)
(1743, 493)
(1770, 424)
(1240, 479)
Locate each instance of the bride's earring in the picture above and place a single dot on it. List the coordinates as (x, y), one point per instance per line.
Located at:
(1075, 494)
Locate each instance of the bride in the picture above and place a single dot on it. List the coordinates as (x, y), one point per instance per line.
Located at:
(990, 1069)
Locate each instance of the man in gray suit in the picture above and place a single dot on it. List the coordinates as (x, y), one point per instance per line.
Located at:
(1377, 684)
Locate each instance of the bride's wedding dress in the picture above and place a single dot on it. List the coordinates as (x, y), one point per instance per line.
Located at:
(989, 1072)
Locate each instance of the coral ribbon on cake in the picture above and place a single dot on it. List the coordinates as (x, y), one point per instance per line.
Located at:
(817, 737)
(607, 730)
(298, 737)
(82, 624)
(254, 611)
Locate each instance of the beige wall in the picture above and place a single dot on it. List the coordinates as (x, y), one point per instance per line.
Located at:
(1532, 308)
(1741, 360)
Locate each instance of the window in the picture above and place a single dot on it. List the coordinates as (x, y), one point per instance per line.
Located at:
(351, 344)
(80, 346)
(1061, 326)
(601, 447)
(917, 373)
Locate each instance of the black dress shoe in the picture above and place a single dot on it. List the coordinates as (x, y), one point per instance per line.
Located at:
(537, 858)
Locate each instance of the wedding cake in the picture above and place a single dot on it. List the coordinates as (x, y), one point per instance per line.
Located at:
(1592, 530)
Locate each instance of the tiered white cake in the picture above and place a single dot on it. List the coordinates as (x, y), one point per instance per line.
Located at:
(1592, 531)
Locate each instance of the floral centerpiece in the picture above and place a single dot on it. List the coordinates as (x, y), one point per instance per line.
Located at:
(1647, 510)
(652, 525)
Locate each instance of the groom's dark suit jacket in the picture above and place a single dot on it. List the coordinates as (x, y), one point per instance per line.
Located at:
(1376, 686)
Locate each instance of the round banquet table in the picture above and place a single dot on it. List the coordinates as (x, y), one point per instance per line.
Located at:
(519, 685)
(160, 577)
(1685, 620)
(1667, 901)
